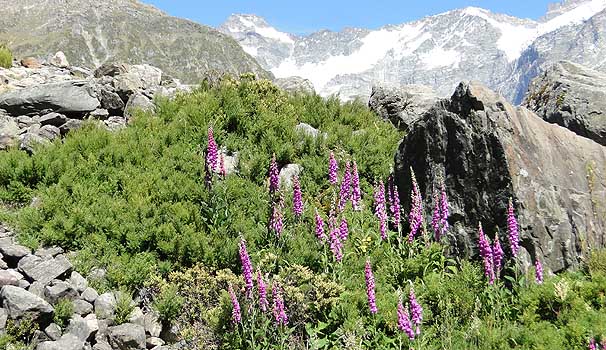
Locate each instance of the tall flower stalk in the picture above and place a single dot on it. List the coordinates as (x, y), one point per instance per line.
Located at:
(274, 176)
(247, 269)
(486, 254)
(236, 313)
(336, 245)
(276, 221)
(343, 229)
(415, 217)
(416, 310)
(279, 310)
(345, 192)
(319, 227)
(394, 203)
(498, 255)
(380, 208)
(297, 198)
(356, 193)
(333, 169)
(212, 152)
(538, 268)
(404, 323)
(262, 288)
(512, 229)
(370, 287)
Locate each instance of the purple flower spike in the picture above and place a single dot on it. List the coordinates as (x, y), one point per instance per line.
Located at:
(538, 268)
(593, 345)
(394, 202)
(415, 217)
(343, 229)
(279, 310)
(380, 209)
(297, 197)
(345, 192)
(436, 218)
(486, 254)
(262, 287)
(370, 287)
(512, 228)
(444, 213)
(404, 323)
(276, 222)
(222, 170)
(236, 314)
(416, 310)
(212, 153)
(497, 255)
(320, 227)
(274, 175)
(356, 193)
(333, 169)
(335, 240)
(247, 270)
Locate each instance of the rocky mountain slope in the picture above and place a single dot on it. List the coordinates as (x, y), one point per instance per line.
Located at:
(93, 32)
(503, 52)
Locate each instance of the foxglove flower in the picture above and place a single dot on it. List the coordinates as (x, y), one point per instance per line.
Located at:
(512, 228)
(236, 314)
(444, 213)
(343, 230)
(404, 323)
(356, 193)
(538, 268)
(416, 310)
(335, 239)
(593, 345)
(498, 254)
(436, 218)
(247, 269)
(212, 153)
(222, 171)
(380, 209)
(320, 227)
(297, 198)
(279, 310)
(370, 287)
(415, 217)
(262, 287)
(345, 192)
(333, 169)
(276, 222)
(274, 175)
(486, 254)
(394, 202)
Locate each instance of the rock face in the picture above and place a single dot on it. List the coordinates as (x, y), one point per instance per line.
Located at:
(490, 151)
(572, 96)
(402, 106)
(91, 32)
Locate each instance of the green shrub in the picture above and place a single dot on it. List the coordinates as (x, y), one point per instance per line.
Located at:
(64, 309)
(168, 304)
(6, 56)
(124, 307)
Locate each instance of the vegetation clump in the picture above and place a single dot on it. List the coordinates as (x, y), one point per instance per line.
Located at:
(6, 56)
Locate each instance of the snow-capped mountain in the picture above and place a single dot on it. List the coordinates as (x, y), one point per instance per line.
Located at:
(502, 51)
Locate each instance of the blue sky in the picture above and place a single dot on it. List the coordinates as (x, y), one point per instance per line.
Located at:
(311, 15)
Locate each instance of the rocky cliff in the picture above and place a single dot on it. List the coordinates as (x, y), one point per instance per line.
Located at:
(490, 151)
(94, 32)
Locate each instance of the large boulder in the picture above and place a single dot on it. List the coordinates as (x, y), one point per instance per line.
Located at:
(71, 98)
(44, 271)
(20, 303)
(490, 151)
(295, 85)
(572, 96)
(402, 106)
(127, 336)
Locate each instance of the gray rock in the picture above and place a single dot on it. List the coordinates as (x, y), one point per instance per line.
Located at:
(149, 76)
(99, 114)
(45, 271)
(288, 172)
(152, 323)
(60, 290)
(115, 123)
(66, 342)
(152, 342)
(102, 346)
(102, 334)
(55, 119)
(136, 316)
(25, 121)
(90, 295)
(309, 130)
(29, 141)
(53, 331)
(9, 130)
(105, 305)
(48, 252)
(49, 132)
(37, 288)
(490, 151)
(8, 279)
(295, 85)
(82, 307)
(71, 125)
(59, 60)
(78, 282)
(19, 303)
(127, 336)
(71, 97)
(111, 100)
(23, 284)
(572, 96)
(3, 319)
(138, 101)
(83, 329)
(12, 252)
(110, 69)
(402, 106)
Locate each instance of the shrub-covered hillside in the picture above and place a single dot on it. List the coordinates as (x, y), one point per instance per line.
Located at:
(231, 265)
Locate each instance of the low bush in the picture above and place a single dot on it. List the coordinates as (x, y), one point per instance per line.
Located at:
(6, 57)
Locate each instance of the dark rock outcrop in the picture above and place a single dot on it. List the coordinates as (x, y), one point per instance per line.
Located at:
(490, 151)
(402, 106)
(573, 96)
